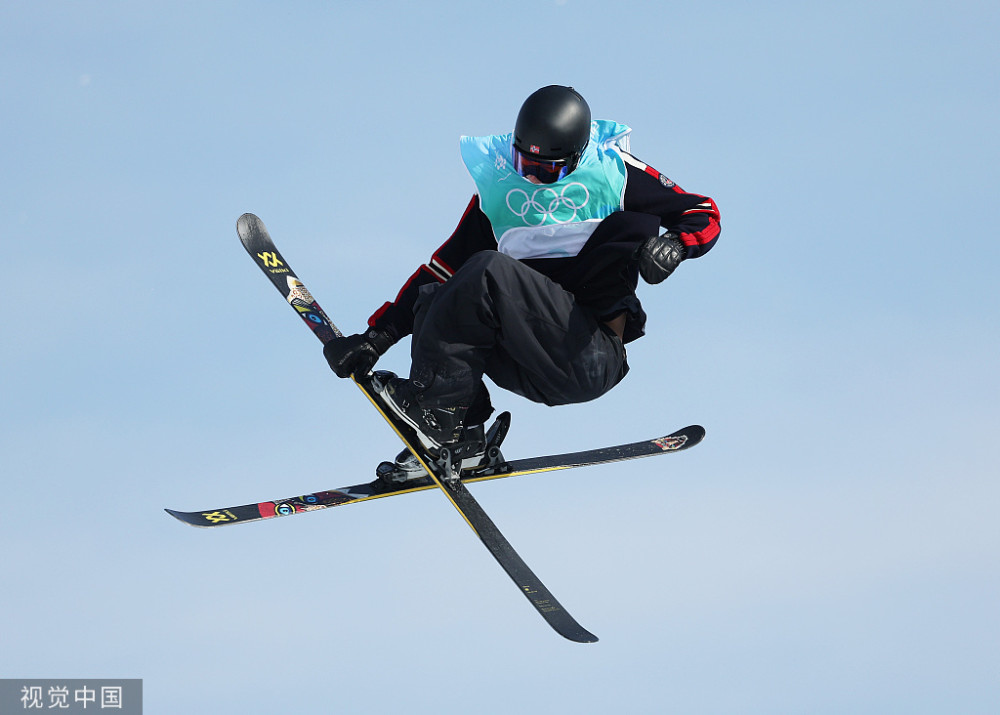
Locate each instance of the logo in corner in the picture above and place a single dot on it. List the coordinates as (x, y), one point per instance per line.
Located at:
(669, 444)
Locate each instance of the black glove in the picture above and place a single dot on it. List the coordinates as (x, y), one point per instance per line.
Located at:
(357, 353)
(659, 256)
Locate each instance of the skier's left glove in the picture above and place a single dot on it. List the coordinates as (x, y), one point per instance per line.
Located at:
(659, 256)
(357, 353)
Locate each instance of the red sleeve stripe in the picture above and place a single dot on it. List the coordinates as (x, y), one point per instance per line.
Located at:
(378, 314)
(646, 168)
(629, 159)
(704, 236)
(706, 207)
(410, 280)
(711, 231)
(440, 270)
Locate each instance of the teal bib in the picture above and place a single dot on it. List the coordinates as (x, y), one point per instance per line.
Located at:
(548, 220)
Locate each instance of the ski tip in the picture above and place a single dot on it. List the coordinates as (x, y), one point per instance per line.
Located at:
(576, 633)
(693, 433)
(244, 221)
(681, 439)
(183, 516)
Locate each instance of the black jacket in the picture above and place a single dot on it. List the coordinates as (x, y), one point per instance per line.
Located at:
(604, 275)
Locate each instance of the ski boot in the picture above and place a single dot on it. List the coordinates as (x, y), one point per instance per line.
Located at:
(434, 427)
(441, 435)
(440, 432)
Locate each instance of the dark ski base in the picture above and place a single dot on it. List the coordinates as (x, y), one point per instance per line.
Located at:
(676, 442)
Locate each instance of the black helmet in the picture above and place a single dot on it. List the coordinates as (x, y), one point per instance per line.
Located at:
(553, 126)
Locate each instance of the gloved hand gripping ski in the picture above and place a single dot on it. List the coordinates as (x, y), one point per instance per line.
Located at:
(357, 354)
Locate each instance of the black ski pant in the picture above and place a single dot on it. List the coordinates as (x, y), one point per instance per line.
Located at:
(497, 317)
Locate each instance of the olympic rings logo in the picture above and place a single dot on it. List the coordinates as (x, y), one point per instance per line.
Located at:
(544, 202)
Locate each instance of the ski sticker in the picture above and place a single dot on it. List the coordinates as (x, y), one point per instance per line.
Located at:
(671, 443)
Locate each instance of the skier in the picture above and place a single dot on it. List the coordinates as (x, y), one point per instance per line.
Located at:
(536, 286)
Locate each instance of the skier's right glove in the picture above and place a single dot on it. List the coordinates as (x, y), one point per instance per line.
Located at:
(659, 256)
(357, 353)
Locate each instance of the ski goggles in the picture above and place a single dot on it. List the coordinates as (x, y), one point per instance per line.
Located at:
(546, 171)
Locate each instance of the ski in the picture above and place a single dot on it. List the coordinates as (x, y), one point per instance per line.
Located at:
(258, 243)
(675, 442)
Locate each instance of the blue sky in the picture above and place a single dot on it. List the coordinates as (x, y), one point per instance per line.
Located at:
(832, 546)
